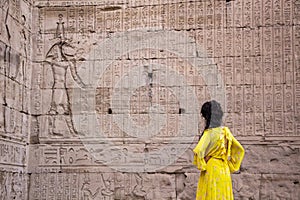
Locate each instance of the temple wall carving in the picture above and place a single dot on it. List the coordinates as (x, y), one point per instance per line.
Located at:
(101, 99)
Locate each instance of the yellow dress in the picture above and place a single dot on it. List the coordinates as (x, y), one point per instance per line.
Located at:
(225, 155)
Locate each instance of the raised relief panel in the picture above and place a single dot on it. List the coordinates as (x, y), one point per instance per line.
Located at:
(278, 123)
(289, 98)
(47, 76)
(229, 121)
(296, 18)
(238, 13)
(200, 38)
(90, 19)
(118, 19)
(14, 185)
(248, 98)
(238, 70)
(269, 123)
(230, 14)
(109, 25)
(239, 124)
(66, 186)
(172, 16)
(257, 13)
(81, 12)
(297, 97)
(230, 99)
(15, 9)
(39, 40)
(278, 56)
(296, 42)
(99, 19)
(219, 14)
(288, 57)
(288, 12)
(9, 117)
(268, 98)
(268, 69)
(239, 99)
(238, 42)
(72, 24)
(12, 153)
(278, 98)
(268, 56)
(209, 42)
(267, 12)
(199, 14)
(267, 40)
(229, 70)
(136, 19)
(259, 124)
(278, 11)
(229, 42)
(247, 11)
(209, 14)
(3, 59)
(248, 70)
(218, 43)
(248, 42)
(289, 123)
(258, 70)
(2, 122)
(13, 70)
(249, 123)
(257, 42)
(181, 16)
(126, 19)
(10, 92)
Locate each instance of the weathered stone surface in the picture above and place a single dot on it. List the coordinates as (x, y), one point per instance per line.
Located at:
(278, 186)
(271, 159)
(101, 89)
(102, 186)
(246, 186)
(13, 185)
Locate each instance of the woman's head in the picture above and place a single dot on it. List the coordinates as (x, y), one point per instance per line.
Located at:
(212, 113)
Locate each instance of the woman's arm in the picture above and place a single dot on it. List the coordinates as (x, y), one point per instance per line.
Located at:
(200, 150)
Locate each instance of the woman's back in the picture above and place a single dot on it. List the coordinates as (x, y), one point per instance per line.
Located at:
(217, 147)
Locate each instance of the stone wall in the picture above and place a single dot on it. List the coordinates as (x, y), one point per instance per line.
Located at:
(15, 73)
(112, 91)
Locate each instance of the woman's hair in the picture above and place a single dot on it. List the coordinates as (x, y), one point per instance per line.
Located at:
(212, 113)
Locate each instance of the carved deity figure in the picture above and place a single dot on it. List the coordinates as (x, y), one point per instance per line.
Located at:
(62, 56)
(107, 191)
(87, 193)
(21, 67)
(5, 14)
(3, 186)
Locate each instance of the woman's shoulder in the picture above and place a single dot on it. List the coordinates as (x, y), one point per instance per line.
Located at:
(214, 129)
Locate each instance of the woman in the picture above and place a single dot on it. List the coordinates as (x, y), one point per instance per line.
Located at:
(216, 155)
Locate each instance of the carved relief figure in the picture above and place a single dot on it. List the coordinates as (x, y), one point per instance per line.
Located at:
(87, 190)
(107, 191)
(4, 27)
(138, 190)
(16, 187)
(3, 186)
(20, 68)
(62, 56)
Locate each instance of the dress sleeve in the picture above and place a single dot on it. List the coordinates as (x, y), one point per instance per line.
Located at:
(199, 151)
(236, 153)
